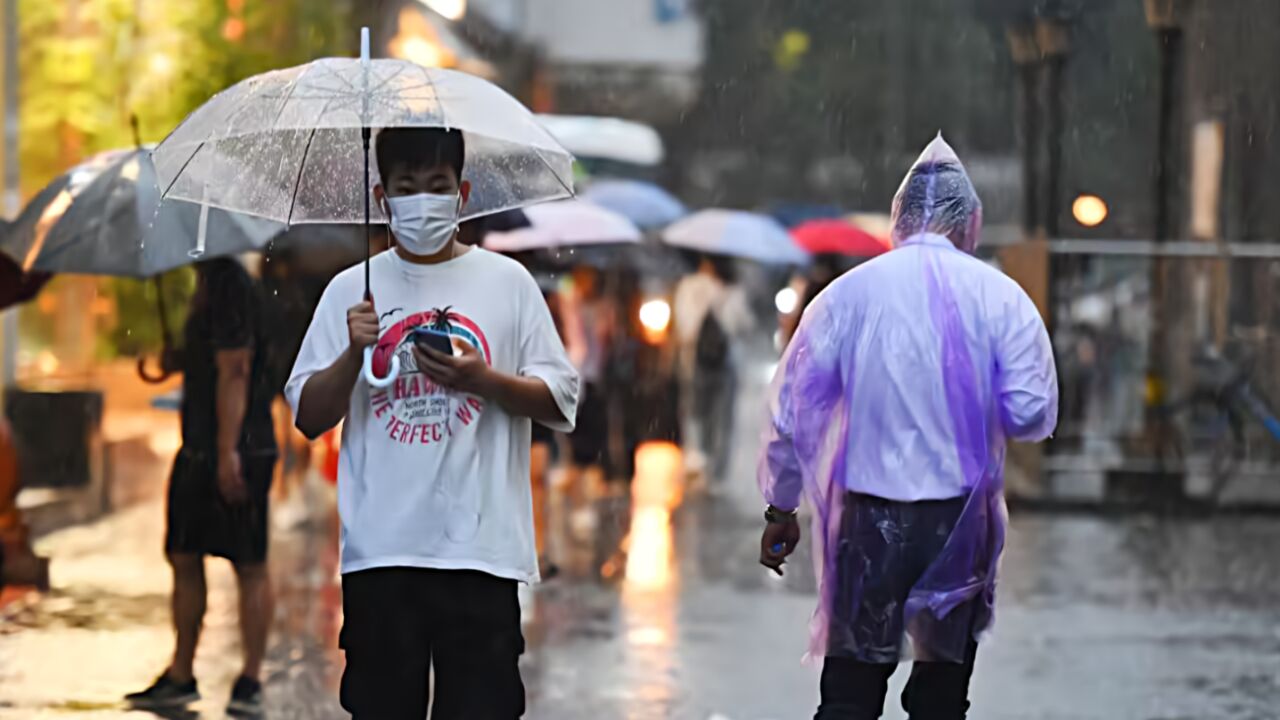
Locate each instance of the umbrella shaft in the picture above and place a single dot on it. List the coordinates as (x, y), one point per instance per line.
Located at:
(364, 136)
(160, 309)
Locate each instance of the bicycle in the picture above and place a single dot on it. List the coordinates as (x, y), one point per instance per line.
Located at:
(1211, 423)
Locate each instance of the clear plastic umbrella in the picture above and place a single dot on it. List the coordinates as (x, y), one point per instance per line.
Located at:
(293, 145)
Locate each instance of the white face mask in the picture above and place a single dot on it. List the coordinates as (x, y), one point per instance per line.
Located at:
(424, 223)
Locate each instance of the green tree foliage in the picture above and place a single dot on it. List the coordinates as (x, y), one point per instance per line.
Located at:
(87, 66)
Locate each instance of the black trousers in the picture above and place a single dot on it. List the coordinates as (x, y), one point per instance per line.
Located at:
(853, 690)
(399, 623)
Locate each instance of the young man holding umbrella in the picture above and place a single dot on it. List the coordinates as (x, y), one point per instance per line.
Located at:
(892, 407)
(433, 483)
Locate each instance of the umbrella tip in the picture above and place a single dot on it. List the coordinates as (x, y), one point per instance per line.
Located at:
(364, 44)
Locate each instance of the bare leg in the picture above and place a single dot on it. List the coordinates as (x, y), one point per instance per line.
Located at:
(257, 608)
(189, 598)
(539, 460)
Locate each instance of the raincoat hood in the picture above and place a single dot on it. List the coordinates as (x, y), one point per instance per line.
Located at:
(936, 196)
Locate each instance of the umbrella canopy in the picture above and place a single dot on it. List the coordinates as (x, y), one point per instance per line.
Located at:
(838, 237)
(643, 203)
(607, 138)
(794, 214)
(878, 224)
(564, 224)
(289, 144)
(505, 221)
(737, 234)
(105, 217)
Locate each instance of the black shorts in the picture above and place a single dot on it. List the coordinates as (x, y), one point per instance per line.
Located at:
(201, 523)
(590, 437)
(543, 435)
(398, 623)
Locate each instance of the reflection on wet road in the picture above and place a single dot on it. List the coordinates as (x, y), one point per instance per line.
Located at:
(662, 613)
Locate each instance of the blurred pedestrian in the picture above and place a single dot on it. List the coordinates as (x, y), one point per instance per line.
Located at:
(825, 268)
(892, 406)
(545, 448)
(433, 484)
(221, 480)
(19, 565)
(592, 317)
(711, 315)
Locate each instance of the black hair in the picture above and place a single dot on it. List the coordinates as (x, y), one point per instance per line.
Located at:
(724, 268)
(419, 148)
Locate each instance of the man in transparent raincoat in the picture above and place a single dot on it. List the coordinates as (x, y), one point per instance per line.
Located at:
(891, 410)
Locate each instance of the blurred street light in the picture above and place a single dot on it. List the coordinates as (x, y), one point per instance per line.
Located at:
(1089, 210)
(655, 317)
(451, 9)
(421, 51)
(786, 300)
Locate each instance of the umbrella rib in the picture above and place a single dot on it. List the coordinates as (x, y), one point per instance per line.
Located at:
(181, 170)
(275, 124)
(426, 72)
(297, 185)
(386, 81)
(538, 153)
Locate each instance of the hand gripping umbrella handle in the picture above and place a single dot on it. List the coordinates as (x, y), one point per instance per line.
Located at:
(374, 380)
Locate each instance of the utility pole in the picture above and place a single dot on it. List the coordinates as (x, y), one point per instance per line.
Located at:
(1053, 40)
(10, 186)
(1026, 55)
(1164, 19)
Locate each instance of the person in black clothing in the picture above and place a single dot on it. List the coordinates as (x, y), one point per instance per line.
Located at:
(218, 492)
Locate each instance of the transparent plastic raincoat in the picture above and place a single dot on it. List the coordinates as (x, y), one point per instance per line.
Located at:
(904, 380)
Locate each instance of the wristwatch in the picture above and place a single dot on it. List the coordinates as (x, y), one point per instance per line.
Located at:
(773, 515)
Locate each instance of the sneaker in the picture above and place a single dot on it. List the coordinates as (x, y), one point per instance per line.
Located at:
(165, 692)
(246, 697)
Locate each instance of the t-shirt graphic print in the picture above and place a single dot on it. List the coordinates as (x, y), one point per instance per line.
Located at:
(415, 408)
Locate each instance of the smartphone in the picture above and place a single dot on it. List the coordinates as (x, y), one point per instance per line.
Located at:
(425, 338)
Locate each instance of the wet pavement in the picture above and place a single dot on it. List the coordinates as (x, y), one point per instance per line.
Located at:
(662, 613)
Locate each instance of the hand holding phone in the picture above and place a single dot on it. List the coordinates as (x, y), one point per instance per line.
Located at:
(425, 338)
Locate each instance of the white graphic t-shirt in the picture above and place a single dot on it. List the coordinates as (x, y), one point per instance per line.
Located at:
(428, 477)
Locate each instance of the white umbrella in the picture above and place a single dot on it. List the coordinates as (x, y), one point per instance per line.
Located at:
(564, 224)
(293, 145)
(736, 233)
(606, 138)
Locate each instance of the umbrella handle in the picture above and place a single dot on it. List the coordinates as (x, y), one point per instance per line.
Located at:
(149, 378)
(372, 379)
(167, 341)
